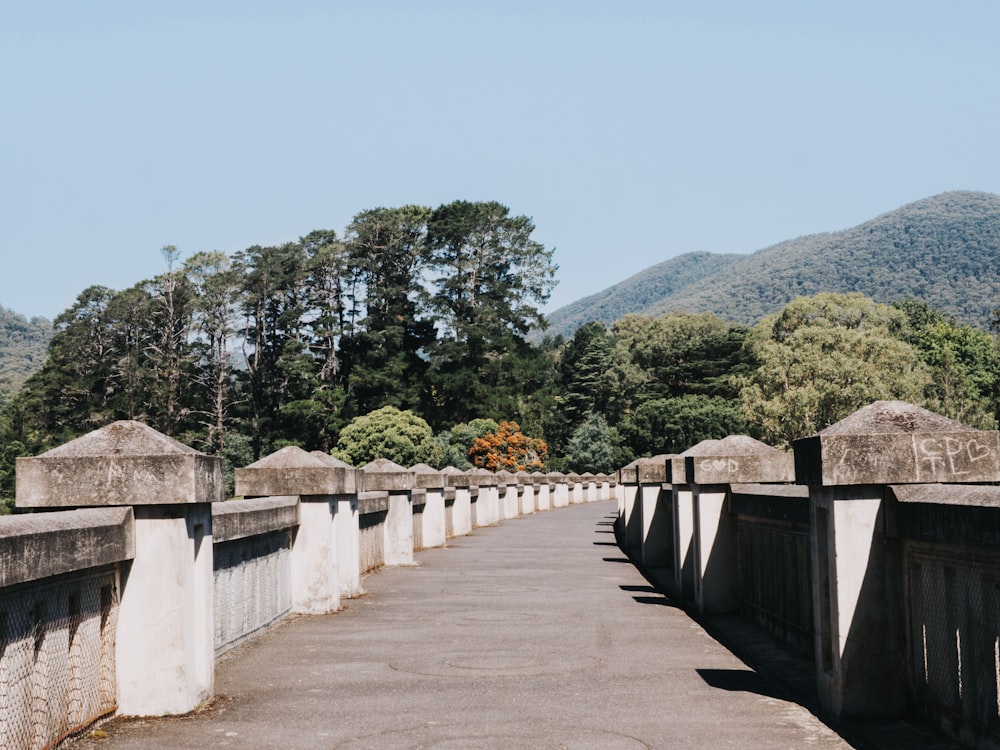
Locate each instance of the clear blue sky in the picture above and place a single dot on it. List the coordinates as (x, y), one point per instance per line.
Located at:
(631, 131)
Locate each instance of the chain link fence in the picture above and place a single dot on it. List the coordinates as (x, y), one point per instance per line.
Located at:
(372, 527)
(57, 657)
(954, 623)
(775, 580)
(253, 588)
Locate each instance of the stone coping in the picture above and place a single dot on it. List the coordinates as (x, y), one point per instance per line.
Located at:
(772, 502)
(39, 545)
(373, 502)
(677, 466)
(245, 517)
(653, 470)
(427, 477)
(982, 496)
(952, 516)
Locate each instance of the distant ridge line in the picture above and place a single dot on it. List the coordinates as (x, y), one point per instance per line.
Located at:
(943, 250)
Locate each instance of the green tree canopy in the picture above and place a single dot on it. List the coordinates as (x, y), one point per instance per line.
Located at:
(400, 436)
(823, 358)
(672, 425)
(964, 363)
(594, 446)
(457, 442)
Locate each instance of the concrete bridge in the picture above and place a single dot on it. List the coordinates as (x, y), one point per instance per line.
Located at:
(405, 607)
(536, 633)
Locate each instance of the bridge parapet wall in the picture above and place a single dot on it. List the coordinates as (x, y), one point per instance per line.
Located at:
(124, 602)
(881, 561)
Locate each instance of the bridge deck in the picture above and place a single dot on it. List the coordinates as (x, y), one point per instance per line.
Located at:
(533, 634)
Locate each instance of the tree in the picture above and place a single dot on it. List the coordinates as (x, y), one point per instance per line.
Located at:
(823, 358)
(964, 363)
(274, 302)
(400, 436)
(73, 391)
(680, 353)
(508, 448)
(491, 272)
(167, 355)
(384, 356)
(672, 425)
(586, 373)
(457, 442)
(216, 293)
(594, 446)
(491, 277)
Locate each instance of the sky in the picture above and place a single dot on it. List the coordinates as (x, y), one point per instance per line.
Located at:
(630, 131)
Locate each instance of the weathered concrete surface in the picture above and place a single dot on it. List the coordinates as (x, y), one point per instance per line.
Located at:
(536, 633)
(739, 459)
(293, 471)
(384, 475)
(677, 465)
(39, 545)
(238, 519)
(123, 463)
(893, 442)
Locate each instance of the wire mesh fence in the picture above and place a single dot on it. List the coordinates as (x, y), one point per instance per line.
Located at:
(252, 586)
(954, 623)
(775, 580)
(57, 657)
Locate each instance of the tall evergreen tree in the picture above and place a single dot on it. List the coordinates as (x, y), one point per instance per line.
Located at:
(274, 304)
(491, 277)
(384, 355)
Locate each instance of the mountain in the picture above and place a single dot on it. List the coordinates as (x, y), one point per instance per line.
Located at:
(23, 347)
(944, 250)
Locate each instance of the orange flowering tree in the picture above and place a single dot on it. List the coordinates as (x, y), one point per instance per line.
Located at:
(508, 449)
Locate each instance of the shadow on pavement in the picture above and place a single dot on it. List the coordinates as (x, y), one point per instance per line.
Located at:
(739, 680)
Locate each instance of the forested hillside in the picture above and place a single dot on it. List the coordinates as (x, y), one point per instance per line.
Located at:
(944, 251)
(404, 337)
(23, 344)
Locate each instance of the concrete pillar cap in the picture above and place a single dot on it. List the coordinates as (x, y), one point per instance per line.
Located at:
(294, 471)
(386, 476)
(676, 466)
(894, 442)
(739, 459)
(427, 477)
(123, 463)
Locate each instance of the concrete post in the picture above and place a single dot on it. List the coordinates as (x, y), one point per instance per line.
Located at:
(318, 480)
(560, 489)
(382, 475)
(527, 492)
(630, 510)
(461, 509)
(736, 459)
(164, 649)
(682, 509)
(507, 487)
(347, 527)
(655, 542)
(858, 590)
(603, 486)
(575, 488)
(433, 518)
(488, 504)
(543, 490)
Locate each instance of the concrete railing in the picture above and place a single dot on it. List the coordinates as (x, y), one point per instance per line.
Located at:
(873, 549)
(123, 603)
